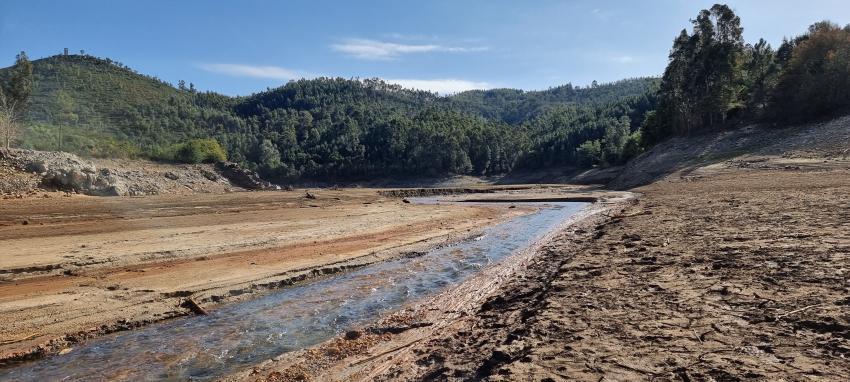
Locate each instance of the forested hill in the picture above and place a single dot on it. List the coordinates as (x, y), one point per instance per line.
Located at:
(329, 128)
(516, 106)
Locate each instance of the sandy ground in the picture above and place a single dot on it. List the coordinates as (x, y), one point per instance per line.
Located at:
(725, 274)
(77, 267)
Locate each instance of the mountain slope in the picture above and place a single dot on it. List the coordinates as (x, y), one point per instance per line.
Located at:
(515, 106)
(327, 128)
(94, 106)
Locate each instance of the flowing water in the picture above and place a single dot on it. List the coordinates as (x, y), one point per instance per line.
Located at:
(242, 334)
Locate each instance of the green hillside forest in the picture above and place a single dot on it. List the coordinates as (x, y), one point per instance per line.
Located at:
(334, 128)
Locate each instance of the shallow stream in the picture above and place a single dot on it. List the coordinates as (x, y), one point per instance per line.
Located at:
(236, 336)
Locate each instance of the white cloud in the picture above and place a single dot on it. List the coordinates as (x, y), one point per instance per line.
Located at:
(382, 50)
(623, 59)
(240, 70)
(442, 86)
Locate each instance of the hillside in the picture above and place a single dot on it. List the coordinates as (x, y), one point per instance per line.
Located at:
(516, 106)
(98, 107)
(330, 128)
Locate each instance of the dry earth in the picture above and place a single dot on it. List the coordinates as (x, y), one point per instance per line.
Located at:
(75, 267)
(728, 273)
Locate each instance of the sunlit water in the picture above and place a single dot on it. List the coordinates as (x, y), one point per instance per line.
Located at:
(238, 335)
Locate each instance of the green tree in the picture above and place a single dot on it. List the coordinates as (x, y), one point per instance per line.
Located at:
(702, 82)
(201, 151)
(269, 156)
(19, 86)
(589, 153)
(762, 71)
(633, 147)
(67, 115)
(815, 81)
(614, 140)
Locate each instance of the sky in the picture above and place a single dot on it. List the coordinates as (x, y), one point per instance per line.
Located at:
(241, 47)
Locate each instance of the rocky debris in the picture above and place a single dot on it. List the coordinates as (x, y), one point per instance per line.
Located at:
(25, 171)
(244, 178)
(15, 181)
(211, 176)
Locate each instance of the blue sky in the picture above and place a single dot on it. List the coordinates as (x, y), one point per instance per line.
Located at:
(239, 47)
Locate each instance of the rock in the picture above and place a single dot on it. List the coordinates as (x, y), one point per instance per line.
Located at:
(37, 167)
(171, 175)
(353, 335)
(244, 178)
(211, 176)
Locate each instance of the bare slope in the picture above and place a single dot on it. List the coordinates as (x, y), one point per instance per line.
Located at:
(752, 146)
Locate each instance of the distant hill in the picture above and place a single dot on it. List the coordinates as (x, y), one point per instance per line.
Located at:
(107, 109)
(326, 127)
(516, 106)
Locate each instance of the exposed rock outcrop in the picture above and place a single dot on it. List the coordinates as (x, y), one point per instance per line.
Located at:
(244, 178)
(31, 170)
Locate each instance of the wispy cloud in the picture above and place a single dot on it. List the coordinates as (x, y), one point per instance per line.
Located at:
(382, 50)
(442, 86)
(241, 70)
(599, 14)
(624, 59)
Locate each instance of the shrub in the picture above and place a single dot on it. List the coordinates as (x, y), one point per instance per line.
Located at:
(633, 147)
(201, 151)
(589, 153)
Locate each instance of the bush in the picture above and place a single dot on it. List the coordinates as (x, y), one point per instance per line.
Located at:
(633, 147)
(589, 153)
(201, 151)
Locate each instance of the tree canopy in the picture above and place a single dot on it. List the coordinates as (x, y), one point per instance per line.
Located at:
(712, 76)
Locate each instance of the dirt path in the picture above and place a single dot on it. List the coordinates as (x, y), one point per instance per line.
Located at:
(739, 274)
(77, 267)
